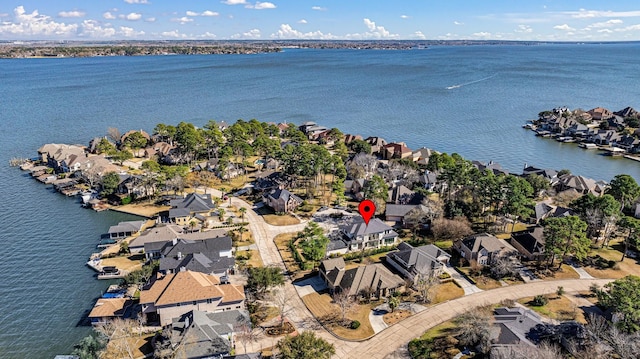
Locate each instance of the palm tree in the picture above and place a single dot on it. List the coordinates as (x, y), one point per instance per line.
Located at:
(221, 213)
(242, 211)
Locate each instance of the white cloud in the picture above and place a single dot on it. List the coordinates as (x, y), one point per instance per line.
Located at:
(92, 28)
(234, 2)
(564, 27)
(378, 32)
(629, 28)
(183, 20)
(302, 21)
(261, 5)
(134, 16)
(150, 19)
(404, 16)
(608, 23)
(34, 24)
(4, 14)
(209, 13)
(137, 1)
(251, 34)
(524, 29)
(591, 14)
(318, 8)
(482, 34)
(129, 32)
(419, 35)
(173, 34)
(74, 13)
(458, 23)
(108, 15)
(192, 13)
(605, 31)
(208, 35)
(287, 32)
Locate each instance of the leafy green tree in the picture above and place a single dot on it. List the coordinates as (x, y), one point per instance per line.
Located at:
(566, 235)
(305, 346)
(623, 297)
(360, 146)
(242, 211)
(313, 242)
(150, 166)
(135, 141)
(393, 302)
(167, 133)
(632, 239)
(538, 183)
(517, 198)
(105, 146)
(625, 189)
(377, 190)
(189, 139)
(295, 135)
(110, 182)
(260, 279)
(121, 156)
(341, 150)
(600, 213)
(213, 138)
(90, 346)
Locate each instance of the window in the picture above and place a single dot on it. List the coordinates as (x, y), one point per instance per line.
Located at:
(209, 301)
(195, 303)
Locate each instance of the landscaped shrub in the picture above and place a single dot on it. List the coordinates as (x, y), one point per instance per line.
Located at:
(444, 276)
(355, 324)
(539, 300)
(420, 348)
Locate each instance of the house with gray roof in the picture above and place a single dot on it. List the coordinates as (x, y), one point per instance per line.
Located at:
(411, 261)
(202, 334)
(510, 329)
(400, 195)
(373, 279)
(125, 229)
(210, 256)
(194, 205)
(376, 234)
(154, 238)
(281, 200)
(483, 248)
(530, 243)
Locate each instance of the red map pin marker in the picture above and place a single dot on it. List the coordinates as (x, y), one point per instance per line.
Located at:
(367, 208)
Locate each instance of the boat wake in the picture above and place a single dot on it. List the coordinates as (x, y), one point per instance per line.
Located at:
(471, 82)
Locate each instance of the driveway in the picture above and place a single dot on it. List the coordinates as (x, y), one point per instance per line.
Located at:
(463, 282)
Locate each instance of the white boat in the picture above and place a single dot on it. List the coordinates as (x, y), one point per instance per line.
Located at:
(588, 146)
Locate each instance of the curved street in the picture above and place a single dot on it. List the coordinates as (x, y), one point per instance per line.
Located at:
(393, 338)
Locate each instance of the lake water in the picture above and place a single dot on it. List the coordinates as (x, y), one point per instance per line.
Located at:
(471, 99)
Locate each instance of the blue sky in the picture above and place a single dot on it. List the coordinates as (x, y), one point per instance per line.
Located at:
(544, 20)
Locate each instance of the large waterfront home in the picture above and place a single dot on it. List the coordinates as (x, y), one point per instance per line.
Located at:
(172, 295)
(209, 256)
(160, 234)
(125, 229)
(193, 206)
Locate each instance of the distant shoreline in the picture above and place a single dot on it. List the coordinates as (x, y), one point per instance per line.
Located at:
(51, 49)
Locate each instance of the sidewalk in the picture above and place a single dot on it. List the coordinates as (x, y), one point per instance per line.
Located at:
(463, 282)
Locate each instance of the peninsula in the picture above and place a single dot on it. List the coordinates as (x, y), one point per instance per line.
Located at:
(258, 238)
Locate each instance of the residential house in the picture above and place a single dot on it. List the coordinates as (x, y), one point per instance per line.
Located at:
(355, 187)
(374, 279)
(125, 229)
(193, 206)
(200, 334)
(107, 309)
(429, 180)
(627, 112)
(268, 180)
(483, 248)
(159, 149)
(281, 200)
(63, 158)
(172, 295)
(376, 234)
(581, 184)
(549, 174)
(400, 195)
(397, 212)
(210, 256)
(493, 167)
(395, 150)
(599, 114)
(350, 138)
(510, 329)
(158, 235)
(376, 143)
(135, 186)
(411, 261)
(542, 210)
(282, 127)
(421, 156)
(605, 137)
(530, 243)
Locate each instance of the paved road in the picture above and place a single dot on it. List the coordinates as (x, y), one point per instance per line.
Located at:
(391, 342)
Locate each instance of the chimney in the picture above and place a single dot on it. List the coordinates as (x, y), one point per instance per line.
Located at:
(174, 241)
(179, 255)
